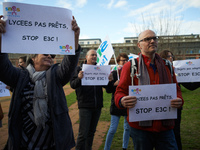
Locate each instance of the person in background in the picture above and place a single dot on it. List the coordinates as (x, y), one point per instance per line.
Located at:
(151, 134)
(168, 55)
(188, 85)
(22, 61)
(38, 114)
(114, 111)
(90, 103)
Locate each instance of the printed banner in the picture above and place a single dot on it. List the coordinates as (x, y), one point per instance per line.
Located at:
(95, 75)
(3, 91)
(36, 29)
(153, 104)
(187, 70)
(104, 52)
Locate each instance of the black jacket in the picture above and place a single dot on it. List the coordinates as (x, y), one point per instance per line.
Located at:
(57, 76)
(191, 85)
(111, 89)
(87, 96)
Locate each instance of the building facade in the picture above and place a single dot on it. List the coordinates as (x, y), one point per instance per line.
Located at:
(182, 46)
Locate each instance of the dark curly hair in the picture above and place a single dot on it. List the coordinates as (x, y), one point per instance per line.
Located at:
(124, 55)
(164, 54)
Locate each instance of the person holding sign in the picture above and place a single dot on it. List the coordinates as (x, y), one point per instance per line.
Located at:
(116, 113)
(151, 68)
(90, 102)
(38, 115)
(168, 55)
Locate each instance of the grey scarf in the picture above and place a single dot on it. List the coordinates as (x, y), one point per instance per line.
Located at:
(40, 98)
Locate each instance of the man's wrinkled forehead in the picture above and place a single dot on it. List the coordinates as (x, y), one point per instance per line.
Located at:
(146, 33)
(91, 52)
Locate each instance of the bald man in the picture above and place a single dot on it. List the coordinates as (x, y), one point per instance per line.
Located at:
(90, 102)
(150, 134)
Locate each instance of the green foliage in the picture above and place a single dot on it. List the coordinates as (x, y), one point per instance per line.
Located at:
(105, 112)
(71, 99)
(190, 131)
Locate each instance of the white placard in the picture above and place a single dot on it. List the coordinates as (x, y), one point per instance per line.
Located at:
(95, 75)
(36, 29)
(153, 102)
(3, 91)
(187, 70)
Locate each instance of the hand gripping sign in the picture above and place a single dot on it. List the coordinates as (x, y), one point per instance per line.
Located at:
(95, 75)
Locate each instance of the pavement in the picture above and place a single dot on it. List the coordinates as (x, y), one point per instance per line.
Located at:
(102, 126)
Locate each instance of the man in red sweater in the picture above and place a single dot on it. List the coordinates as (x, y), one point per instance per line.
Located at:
(150, 134)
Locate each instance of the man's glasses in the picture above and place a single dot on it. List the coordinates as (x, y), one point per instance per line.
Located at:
(52, 56)
(148, 39)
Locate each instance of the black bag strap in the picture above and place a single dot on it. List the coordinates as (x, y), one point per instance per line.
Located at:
(169, 65)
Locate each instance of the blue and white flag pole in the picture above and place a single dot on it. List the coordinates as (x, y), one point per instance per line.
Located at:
(117, 67)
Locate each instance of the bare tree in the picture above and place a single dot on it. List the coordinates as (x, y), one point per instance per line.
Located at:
(165, 25)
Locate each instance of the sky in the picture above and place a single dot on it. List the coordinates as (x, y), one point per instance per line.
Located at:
(127, 18)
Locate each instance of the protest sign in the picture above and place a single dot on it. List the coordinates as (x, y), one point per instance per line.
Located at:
(95, 75)
(104, 52)
(3, 91)
(187, 70)
(153, 104)
(36, 29)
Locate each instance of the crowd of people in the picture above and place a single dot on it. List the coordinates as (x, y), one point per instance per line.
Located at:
(38, 114)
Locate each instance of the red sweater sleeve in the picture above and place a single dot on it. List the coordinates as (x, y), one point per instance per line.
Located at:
(124, 82)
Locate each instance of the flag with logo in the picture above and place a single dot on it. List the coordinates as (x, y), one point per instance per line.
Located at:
(104, 52)
(130, 56)
(116, 67)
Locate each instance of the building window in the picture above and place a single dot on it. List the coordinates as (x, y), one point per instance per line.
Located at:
(128, 41)
(191, 51)
(88, 42)
(95, 42)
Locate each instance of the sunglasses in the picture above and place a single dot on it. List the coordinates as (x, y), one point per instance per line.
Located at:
(148, 39)
(52, 56)
(124, 60)
(168, 56)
